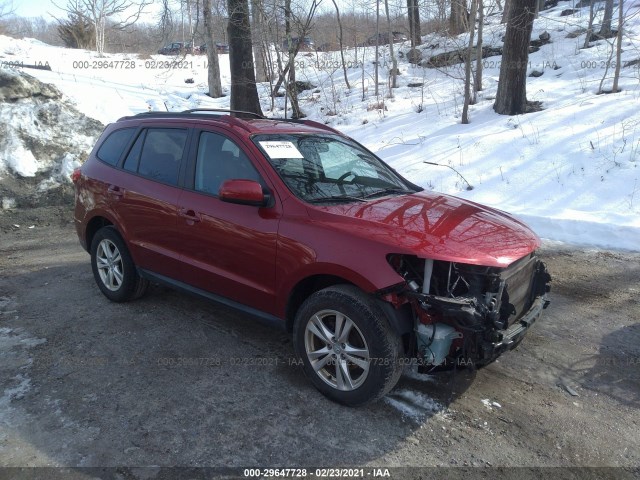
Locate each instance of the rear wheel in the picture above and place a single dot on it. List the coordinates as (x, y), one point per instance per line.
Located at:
(348, 349)
(113, 269)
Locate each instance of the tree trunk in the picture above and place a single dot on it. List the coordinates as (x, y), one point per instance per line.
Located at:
(244, 93)
(467, 64)
(616, 75)
(190, 21)
(377, 64)
(415, 34)
(587, 39)
(410, 18)
(292, 91)
(394, 63)
(505, 12)
(459, 19)
(605, 29)
(258, 35)
(213, 68)
(477, 83)
(511, 98)
(344, 66)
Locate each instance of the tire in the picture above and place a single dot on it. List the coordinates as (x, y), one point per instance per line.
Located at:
(360, 364)
(113, 269)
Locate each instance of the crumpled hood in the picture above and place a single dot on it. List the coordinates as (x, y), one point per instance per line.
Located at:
(436, 226)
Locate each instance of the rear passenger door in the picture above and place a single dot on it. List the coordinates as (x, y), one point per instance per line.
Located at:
(147, 197)
(228, 249)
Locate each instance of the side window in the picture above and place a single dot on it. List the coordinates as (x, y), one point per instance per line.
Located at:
(161, 154)
(220, 159)
(113, 146)
(133, 158)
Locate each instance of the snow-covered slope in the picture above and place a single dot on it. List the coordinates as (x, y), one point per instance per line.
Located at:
(570, 170)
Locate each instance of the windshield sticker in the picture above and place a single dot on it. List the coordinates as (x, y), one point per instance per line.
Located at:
(281, 149)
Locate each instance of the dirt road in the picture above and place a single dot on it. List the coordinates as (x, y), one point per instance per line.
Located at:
(170, 380)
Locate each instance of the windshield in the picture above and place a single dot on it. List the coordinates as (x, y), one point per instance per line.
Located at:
(329, 168)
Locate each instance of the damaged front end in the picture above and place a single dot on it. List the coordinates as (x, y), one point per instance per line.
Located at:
(468, 314)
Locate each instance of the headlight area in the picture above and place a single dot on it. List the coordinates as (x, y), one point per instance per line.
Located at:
(468, 314)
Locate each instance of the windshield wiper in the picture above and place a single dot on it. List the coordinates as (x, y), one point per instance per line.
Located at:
(387, 191)
(336, 198)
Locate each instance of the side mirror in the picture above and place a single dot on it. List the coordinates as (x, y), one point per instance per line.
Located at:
(243, 192)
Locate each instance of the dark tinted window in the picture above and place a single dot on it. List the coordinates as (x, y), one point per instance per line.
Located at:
(220, 159)
(133, 158)
(114, 145)
(162, 153)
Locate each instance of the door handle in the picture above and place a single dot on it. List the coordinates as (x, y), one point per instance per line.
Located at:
(189, 214)
(115, 190)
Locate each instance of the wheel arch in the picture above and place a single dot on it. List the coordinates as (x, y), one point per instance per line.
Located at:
(304, 289)
(93, 225)
(399, 318)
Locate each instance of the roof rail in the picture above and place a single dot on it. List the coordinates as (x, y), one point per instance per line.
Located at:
(311, 123)
(222, 110)
(201, 112)
(238, 122)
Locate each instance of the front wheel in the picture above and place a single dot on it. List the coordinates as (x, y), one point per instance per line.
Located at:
(348, 349)
(113, 269)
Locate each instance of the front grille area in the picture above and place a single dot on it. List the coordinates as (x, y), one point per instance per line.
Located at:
(518, 279)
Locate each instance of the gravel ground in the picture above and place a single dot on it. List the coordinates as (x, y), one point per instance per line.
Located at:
(171, 380)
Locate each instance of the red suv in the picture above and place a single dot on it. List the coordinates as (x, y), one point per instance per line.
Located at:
(295, 221)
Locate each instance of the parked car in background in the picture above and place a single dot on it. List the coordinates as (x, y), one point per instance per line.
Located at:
(327, 47)
(306, 44)
(383, 38)
(221, 48)
(178, 48)
(297, 223)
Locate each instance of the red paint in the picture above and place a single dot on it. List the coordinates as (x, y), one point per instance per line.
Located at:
(256, 255)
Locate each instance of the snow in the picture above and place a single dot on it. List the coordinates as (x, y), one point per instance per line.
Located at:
(413, 405)
(569, 171)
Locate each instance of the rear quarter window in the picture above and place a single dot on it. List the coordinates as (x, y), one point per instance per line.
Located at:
(162, 153)
(112, 148)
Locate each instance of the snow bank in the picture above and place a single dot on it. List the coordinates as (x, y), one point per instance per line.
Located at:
(41, 135)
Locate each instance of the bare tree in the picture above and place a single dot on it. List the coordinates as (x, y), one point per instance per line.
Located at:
(77, 30)
(393, 74)
(213, 67)
(477, 83)
(505, 12)
(244, 92)
(605, 28)
(413, 12)
(616, 74)
(259, 43)
(377, 64)
(618, 54)
(35, 27)
(587, 38)
(539, 6)
(301, 25)
(6, 8)
(344, 66)
(459, 19)
(291, 87)
(99, 11)
(165, 21)
(188, 6)
(511, 97)
(467, 64)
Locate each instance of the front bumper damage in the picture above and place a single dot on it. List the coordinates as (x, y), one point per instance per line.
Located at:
(473, 324)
